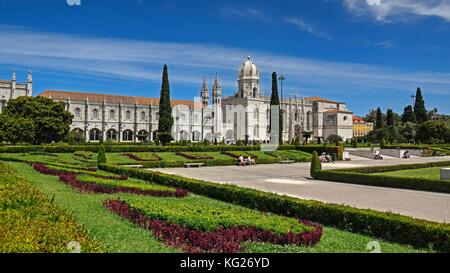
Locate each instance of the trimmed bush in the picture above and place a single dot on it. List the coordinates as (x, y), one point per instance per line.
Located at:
(101, 159)
(316, 165)
(388, 226)
(221, 240)
(363, 176)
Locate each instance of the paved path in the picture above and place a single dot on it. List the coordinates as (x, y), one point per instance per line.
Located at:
(294, 180)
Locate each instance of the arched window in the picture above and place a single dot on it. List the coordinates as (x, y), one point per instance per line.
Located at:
(256, 132)
(95, 135)
(196, 136)
(142, 115)
(111, 135)
(112, 114)
(95, 113)
(128, 115)
(127, 135)
(77, 112)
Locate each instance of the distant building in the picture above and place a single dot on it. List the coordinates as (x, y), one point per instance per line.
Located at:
(243, 116)
(11, 89)
(361, 128)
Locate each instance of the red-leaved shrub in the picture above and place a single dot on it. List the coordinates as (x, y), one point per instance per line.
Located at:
(71, 180)
(221, 240)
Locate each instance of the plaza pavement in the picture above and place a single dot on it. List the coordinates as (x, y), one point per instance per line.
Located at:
(294, 180)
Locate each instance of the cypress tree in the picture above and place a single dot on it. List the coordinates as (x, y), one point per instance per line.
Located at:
(165, 110)
(419, 107)
(101, 159)
(275, 101)
(408, 115)
(379, 120)
(390, 117)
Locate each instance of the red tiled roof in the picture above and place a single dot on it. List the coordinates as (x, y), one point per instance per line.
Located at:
(320, 99)
(92, 97)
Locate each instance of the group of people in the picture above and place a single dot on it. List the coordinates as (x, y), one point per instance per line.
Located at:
(377, 155)
(326, 158)
(242, 161)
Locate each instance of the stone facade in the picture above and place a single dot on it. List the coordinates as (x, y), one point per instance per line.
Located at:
(11, 89)
(244, 116)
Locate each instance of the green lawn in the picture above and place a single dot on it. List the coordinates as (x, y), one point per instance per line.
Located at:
(117, 235)
(427, 173)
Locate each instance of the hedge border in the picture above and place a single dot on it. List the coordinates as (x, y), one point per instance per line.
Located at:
(362, 176)
(387, 226)
(175, 149)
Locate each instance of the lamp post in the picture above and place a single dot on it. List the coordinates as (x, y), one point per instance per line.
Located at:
(281, 79)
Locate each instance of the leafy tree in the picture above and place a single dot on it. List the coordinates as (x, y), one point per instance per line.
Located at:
(275, 101)
(419, 107)
(409, 132)
(408, 115)
(101, 159)
(334, 139)
(165, 111)
(35, 120)
(432, 131)
(390, 118)
(379, 120)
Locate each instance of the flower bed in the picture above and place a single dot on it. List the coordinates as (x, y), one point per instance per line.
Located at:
(194, 156)
(56, 171)
(220, 240)
(30, 223)
(388, 226)
(71, 180)
(138, 158)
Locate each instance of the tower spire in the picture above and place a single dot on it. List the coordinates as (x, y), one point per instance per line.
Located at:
(204, 93)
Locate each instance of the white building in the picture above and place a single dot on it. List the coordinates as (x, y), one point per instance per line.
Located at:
(244, 116)
(11, 89)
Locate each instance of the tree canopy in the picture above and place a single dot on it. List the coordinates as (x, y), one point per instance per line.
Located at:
(34, 120)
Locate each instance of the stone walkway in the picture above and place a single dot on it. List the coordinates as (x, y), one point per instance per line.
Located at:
(294, 180)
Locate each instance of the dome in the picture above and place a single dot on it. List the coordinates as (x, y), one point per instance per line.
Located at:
(249, 70)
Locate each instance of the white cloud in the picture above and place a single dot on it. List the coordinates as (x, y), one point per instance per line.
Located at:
(399, 10)
(302, 25)
(131, 60)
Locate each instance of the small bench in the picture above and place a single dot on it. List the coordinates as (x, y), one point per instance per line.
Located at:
(287, 162)
(445, 174)
(134, 166)
(193, 165)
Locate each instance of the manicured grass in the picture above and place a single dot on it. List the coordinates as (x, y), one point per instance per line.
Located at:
(113, 233)
(427, 173)
(117, 235)
(30, 222)
(131, 183)
(291, 155)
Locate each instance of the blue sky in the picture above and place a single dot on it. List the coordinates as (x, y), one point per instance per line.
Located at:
(368, 53)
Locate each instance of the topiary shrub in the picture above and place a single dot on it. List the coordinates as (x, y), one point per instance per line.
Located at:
(316, 165)
(101, 155)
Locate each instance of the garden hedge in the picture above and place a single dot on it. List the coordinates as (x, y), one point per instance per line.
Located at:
(388, 226)
(150, 148)
(363, 176)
